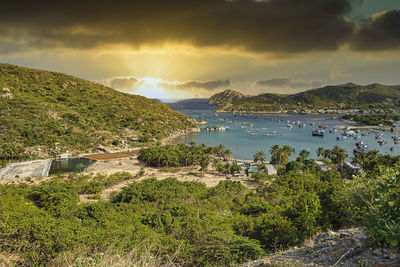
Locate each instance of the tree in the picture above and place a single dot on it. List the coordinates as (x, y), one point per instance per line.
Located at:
(287, 150)
(10, 151)
(235, 167)
(304, 153)
(259, 157)
(220, 167)
(294, 166)
(277, 155)
(204, 162)
(227, 154)
(274, 149)
(320, 151)
(339, 155)
(220, 150)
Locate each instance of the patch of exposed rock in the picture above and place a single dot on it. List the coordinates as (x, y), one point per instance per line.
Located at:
(6, 93)
(226, 97)
(350, 248)
(180, 133)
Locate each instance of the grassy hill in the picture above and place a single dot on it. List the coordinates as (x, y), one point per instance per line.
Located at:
(58, 112)
(346, 96)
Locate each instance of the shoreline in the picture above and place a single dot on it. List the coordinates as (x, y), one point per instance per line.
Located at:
(172, 137)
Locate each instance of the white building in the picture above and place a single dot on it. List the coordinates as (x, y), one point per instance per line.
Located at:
(270, 169)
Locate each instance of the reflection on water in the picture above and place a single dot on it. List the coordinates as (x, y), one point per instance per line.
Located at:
(70, 165)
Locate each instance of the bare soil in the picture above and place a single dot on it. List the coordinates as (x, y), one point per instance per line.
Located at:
(108, 156)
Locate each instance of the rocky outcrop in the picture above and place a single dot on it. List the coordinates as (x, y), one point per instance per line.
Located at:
(6, 93)
(226, 97)
(350, 247)
(180, 133)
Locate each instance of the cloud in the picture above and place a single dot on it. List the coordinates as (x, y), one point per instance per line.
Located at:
(381, 32)
(123, 84)
(288, 83)
(148, 85)
(209, 85)
(337, 74)
(277, 26)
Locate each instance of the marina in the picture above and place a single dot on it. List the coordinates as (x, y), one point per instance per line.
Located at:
(249, 133)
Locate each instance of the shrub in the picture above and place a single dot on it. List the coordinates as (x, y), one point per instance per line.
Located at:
(383, 220)
(56, 197)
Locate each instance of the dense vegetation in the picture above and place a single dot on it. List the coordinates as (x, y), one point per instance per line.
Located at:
(374, 119)
(346, 96)
(181, 155)
(195, 225)
(59, 112)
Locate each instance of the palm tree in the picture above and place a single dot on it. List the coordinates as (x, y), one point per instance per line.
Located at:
(215, 162)
(259, 157)
(366, 159)
(274, 149)
(320, 151)
(304, 153)
(327, 153)
(339, 155)
(204, 162)
(287, 150)
(227, 154)
(278, 156)
(220, 150)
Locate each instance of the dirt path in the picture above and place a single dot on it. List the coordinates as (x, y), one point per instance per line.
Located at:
(133, 166)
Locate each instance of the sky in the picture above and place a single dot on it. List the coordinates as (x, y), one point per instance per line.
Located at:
(195, 48)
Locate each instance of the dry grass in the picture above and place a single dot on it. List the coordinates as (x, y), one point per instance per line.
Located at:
(143, 257)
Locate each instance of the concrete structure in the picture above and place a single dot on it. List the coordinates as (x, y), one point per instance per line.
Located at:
(270, 169)
(64, 156)
(322, 166)
(36, 168)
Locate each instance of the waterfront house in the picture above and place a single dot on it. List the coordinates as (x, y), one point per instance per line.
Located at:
(322, 166)
(216, 128)
(348, 166)
(270, 169)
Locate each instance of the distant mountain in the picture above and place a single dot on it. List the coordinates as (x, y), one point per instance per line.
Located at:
(53, 110)
(346, 96)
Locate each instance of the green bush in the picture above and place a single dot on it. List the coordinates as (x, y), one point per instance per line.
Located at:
(57, 198)
(383, 220)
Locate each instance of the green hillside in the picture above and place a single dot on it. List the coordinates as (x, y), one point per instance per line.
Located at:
(59, 112)
(346, 96)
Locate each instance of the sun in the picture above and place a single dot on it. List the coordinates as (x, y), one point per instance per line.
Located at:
(151, 88)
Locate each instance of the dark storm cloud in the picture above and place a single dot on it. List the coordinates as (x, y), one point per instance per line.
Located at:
(289, 83)
(279, 26)
(381, 32)
(209, 85)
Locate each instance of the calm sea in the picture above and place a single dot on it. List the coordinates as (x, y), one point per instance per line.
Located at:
(249, 133)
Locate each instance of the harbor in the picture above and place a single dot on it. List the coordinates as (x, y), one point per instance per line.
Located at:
(249, 133)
